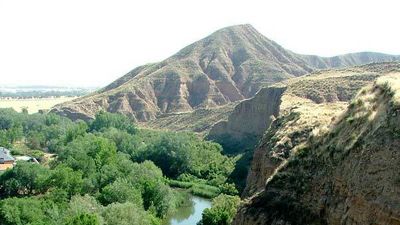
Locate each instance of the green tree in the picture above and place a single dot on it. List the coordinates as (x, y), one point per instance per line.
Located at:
(83, 204)
(121, 191)
(21, 211)
(24, 179)
(6, 121)
(125, 142)
(106, 120)
(4, 141)
(222, 212)
(24, 110)
(84, 219)
(67, 179)
(35, 140)
(76, 130)
(15, 133)
(127, 214)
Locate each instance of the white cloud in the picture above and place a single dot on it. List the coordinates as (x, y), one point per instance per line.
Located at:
(93, 42)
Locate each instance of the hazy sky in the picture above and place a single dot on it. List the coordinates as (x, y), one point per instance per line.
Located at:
(93, 42)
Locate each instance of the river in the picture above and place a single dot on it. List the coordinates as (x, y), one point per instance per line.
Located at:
(189, 214)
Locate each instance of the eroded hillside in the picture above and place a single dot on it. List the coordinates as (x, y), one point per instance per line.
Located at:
(230, 65)
(301, 104)
(344, 173)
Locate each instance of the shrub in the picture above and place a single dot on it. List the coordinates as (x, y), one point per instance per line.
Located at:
(222, 212)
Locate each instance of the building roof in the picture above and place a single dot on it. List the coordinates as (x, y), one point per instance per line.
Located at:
(5, 154)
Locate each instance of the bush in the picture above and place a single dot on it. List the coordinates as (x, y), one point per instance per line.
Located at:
(222, 211)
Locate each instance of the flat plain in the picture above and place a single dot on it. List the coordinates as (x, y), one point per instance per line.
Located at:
(33, 104)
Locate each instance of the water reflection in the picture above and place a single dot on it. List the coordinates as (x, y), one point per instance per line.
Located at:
(190, 213)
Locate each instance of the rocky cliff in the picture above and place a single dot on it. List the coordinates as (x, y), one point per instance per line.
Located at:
(344, 173)
(314, 98)
(230, 65)
(249, 120)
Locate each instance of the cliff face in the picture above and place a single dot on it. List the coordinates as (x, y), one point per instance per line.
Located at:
(230, 65)
(346, 173)
(248, 120)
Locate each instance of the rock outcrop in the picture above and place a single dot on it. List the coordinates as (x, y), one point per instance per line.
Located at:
(249, 120)
(230, 65)
(344, 173)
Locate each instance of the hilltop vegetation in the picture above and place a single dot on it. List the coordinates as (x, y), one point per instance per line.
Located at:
(107, 171)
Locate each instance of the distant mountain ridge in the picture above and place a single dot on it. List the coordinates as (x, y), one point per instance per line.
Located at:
(230, 65)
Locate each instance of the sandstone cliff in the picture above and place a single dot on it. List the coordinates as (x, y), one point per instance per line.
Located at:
(230, 65)
(345, 173)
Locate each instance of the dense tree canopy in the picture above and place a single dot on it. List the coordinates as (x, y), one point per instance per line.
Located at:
(106, 171)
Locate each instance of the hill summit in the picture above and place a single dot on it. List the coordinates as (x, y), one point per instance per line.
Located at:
(230, 65)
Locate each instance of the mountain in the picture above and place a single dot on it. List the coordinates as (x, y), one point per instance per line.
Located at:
(342, 172)
(230, 65)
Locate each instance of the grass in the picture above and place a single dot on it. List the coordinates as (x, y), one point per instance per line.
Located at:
(391, 84)
(201, 190)
(33, 105)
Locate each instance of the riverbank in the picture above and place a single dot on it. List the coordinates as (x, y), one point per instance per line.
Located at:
(197, 189)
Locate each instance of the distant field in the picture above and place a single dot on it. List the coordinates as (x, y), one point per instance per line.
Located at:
(33, 105)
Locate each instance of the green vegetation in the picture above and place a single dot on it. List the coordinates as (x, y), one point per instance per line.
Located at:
(106, 171)
(198, 189)
(222, 212)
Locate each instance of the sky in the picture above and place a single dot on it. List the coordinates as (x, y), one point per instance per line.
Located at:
(93, 42)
